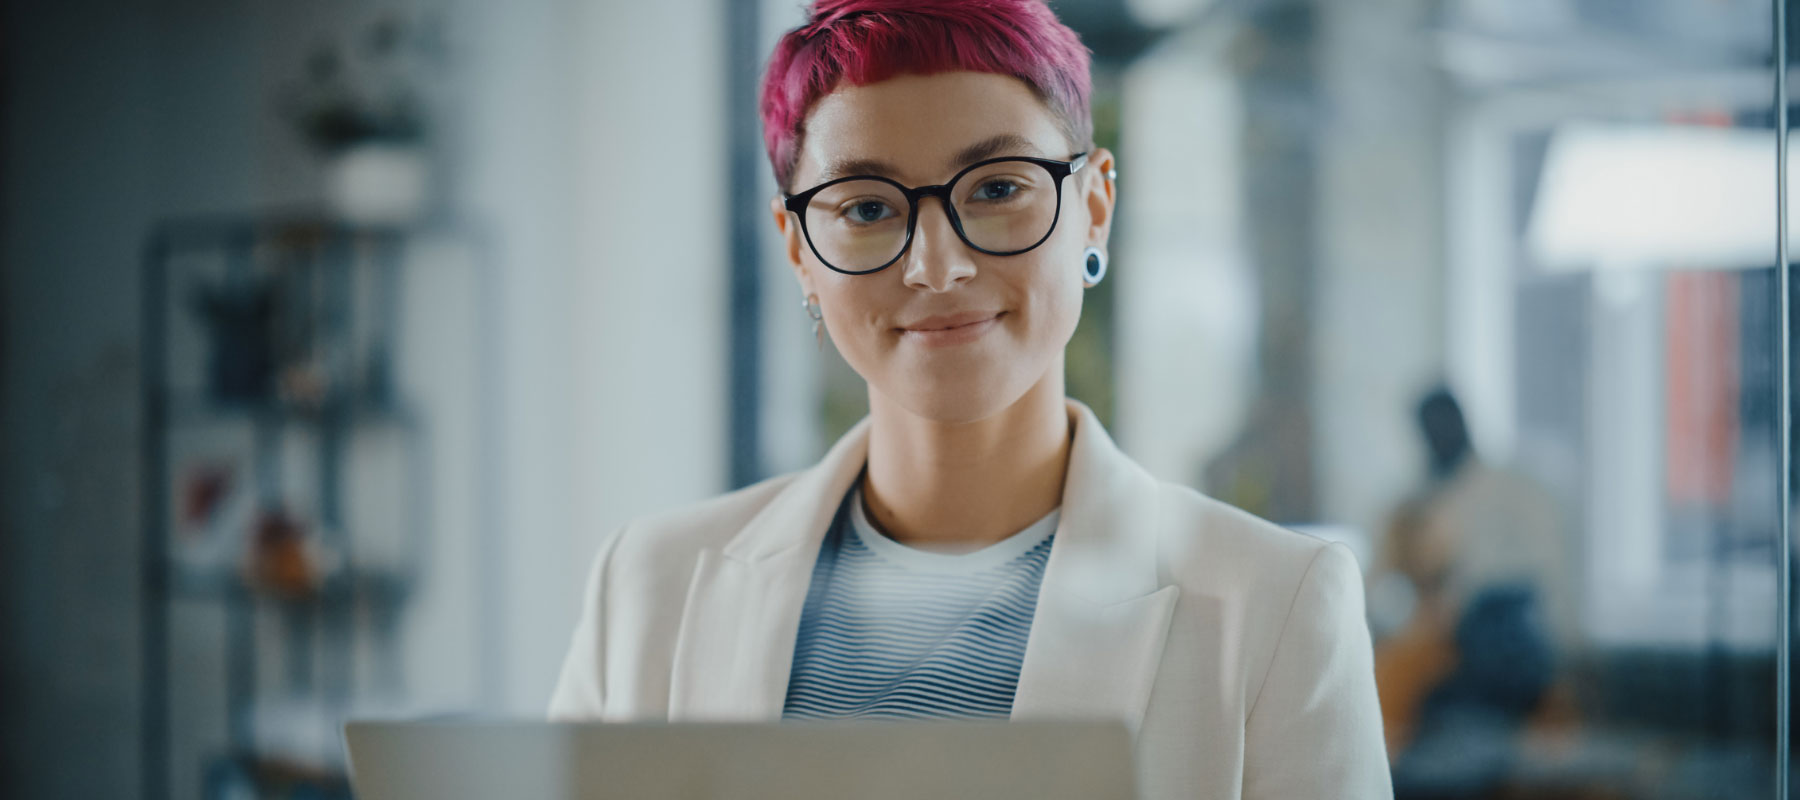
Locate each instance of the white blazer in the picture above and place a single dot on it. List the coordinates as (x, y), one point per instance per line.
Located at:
(1235, 650)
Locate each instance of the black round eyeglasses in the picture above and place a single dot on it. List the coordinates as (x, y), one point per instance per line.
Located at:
(1002, 206)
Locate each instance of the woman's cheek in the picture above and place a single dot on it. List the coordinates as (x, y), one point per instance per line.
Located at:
(857, 343)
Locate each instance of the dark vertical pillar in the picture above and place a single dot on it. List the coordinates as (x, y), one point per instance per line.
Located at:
(742, 68)
(1784, 417)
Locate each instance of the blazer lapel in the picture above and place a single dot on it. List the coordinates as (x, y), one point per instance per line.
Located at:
(1097, 637)
(735, 648)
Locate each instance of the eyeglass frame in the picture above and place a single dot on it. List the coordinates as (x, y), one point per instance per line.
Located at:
(1058, 171)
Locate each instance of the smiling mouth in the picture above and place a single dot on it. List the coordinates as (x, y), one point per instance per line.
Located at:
(958, 334)
(951, 327)
(948, 322)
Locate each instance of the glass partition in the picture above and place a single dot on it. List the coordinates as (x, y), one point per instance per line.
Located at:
(1491, 291)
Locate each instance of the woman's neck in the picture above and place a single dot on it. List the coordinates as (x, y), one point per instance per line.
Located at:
(962, 487)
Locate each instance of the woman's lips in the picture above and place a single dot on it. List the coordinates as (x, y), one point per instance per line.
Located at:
(961, 334)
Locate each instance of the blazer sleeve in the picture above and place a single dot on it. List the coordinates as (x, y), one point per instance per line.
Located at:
(1314, 729)
(580, 692)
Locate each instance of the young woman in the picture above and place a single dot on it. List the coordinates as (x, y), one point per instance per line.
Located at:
(977, 546)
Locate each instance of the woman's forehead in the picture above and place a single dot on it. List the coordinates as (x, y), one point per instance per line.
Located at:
(920, 129)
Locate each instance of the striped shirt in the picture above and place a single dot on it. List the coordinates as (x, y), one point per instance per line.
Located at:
(889, 631)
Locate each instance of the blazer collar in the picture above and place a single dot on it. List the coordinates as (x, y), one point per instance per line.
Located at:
(1095, 640)
(799, 514)
(1107, 501)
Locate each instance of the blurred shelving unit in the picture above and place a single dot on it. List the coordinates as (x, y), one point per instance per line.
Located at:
(273, 340)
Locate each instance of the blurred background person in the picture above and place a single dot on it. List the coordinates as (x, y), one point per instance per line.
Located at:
(1470, 563)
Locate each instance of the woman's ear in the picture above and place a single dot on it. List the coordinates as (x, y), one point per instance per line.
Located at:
(1099, 196)
(790, 230)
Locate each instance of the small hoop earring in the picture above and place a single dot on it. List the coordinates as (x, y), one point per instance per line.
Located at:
(813, 310)
(1093, 265)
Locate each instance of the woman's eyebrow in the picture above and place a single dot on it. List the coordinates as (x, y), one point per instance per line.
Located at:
(856, 166)
(1010, 144)
(1001, 144)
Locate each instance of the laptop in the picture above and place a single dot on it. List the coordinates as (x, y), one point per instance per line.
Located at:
(454, 760)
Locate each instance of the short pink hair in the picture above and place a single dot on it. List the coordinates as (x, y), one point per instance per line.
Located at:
(866, 41)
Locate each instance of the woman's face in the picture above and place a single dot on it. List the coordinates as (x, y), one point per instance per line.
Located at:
(917, 125)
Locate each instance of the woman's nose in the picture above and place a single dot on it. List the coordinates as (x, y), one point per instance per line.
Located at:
(937, 258)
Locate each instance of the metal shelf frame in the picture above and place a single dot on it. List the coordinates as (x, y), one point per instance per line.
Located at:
(329, 253)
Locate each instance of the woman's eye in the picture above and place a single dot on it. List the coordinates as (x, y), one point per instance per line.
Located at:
(867, 211)
(996, 190)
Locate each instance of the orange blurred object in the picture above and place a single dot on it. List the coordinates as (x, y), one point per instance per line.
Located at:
(279, 559)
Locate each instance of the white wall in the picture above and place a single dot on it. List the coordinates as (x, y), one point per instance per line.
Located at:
(1378, 334)
(1186, 284)
(596, 149)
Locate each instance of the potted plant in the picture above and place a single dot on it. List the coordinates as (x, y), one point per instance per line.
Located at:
(363, 107)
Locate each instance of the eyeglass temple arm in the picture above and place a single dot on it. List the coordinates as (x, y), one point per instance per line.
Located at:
(1080, 160)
